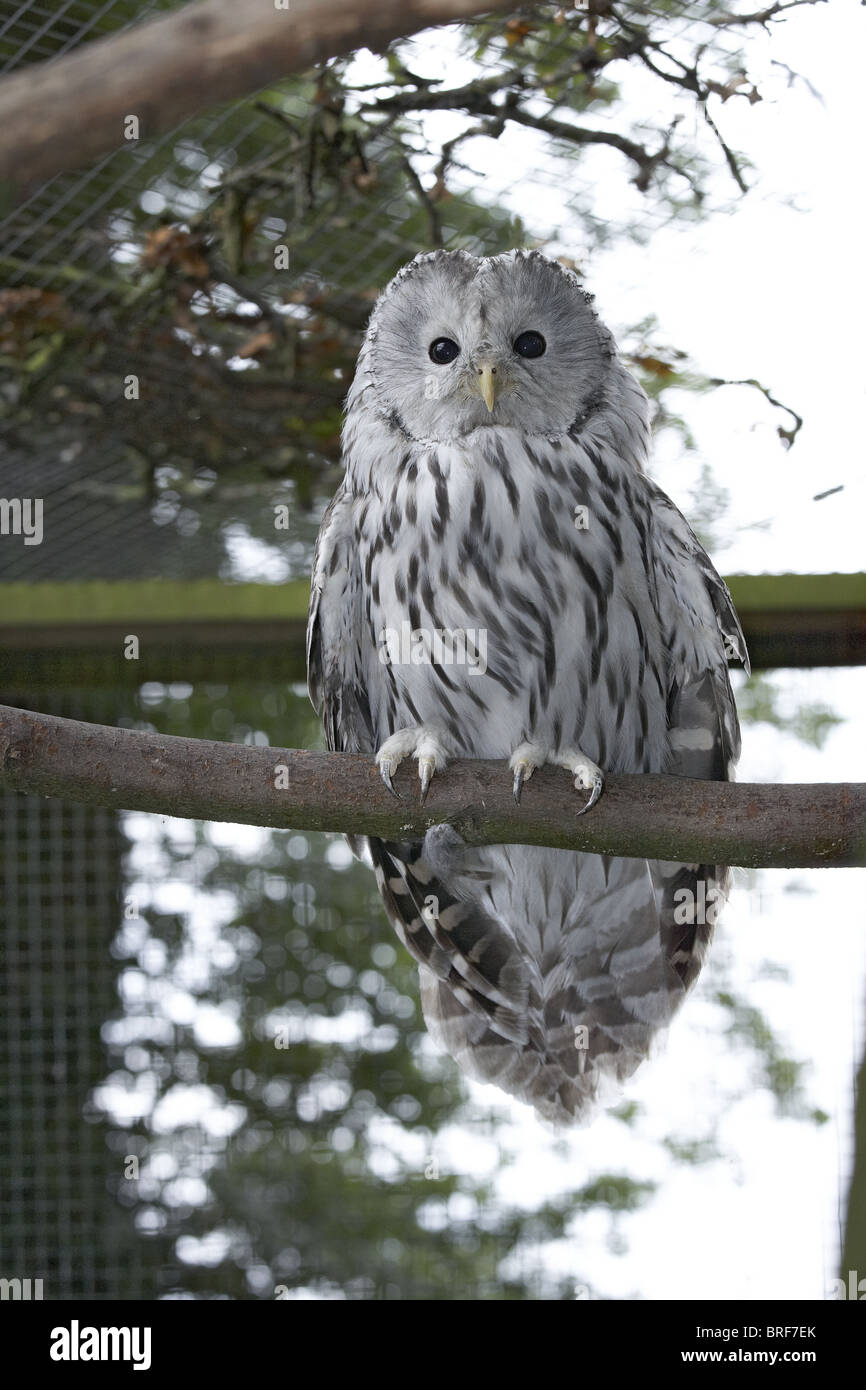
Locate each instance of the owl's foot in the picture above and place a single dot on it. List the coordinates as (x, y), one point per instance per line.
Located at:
(422, 742)
(523, 762)
(587, 777)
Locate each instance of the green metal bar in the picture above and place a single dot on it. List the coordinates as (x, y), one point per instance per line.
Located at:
(207, 629)
(149, 600)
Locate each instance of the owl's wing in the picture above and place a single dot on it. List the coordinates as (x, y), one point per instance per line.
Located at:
(701, 631)
(335, 666)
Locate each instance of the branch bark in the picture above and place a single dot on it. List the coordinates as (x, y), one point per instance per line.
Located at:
(63, 114)
(807, 826)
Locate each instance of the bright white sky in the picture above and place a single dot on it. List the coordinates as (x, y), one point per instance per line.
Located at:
(771, 293)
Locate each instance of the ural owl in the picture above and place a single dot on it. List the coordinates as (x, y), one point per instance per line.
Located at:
(497, 577)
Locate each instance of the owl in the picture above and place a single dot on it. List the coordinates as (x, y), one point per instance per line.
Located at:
(497, 577)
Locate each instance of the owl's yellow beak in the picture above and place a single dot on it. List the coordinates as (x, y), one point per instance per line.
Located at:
(487, 383)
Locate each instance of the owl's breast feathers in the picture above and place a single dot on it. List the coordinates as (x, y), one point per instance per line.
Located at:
(591, 618)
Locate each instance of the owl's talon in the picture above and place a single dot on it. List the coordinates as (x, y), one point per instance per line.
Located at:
(423, 741)
(587, 776)
(426, 768)
(385, 770)
(522, 773)
(523, 762)
(595, 791)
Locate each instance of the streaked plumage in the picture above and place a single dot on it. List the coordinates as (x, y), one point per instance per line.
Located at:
(607, 644)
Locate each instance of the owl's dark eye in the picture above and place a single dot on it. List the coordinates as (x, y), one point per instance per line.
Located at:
(443, 350)
(529, 344)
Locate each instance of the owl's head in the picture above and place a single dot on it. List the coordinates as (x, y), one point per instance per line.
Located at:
(457, 342)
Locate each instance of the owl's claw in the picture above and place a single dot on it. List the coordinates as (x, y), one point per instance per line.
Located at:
(523, 762)
(522, 773)
(424, 742)
(385, 770)
(426, 768)
(587, 777)
(595, 791)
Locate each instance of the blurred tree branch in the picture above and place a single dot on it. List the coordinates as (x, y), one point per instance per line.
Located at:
(633, 37)
(768, 826)
(476, 98)
(170, 68)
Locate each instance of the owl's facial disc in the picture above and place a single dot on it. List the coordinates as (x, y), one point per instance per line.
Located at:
(510, 341)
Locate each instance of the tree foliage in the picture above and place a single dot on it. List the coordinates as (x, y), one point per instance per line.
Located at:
(183, 319)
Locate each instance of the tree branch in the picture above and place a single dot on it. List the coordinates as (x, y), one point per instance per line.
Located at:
(63, 114)
(475, 98)
(472, 96)
(583, 135)
(730, 157)
(813, 825)
(727, 21)
(787, 436)
(427, 204)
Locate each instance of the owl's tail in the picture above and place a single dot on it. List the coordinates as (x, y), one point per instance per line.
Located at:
(605, 979)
